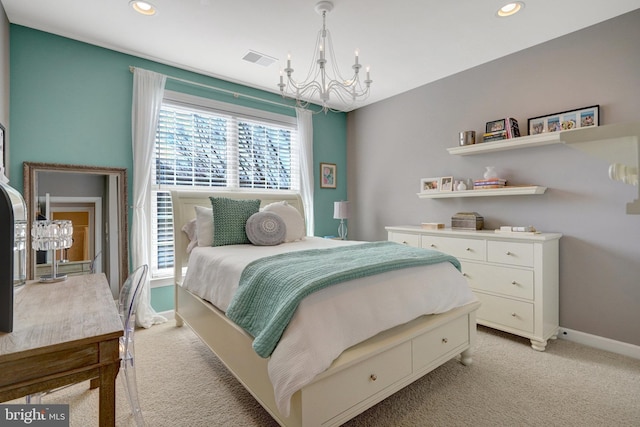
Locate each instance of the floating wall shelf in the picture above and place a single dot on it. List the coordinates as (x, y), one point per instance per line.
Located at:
(505, 191)
(618, 144)
(507, 144)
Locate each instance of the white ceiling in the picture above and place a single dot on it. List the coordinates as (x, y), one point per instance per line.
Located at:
(407, 43)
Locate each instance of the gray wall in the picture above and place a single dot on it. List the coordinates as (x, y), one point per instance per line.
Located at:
(395, 142)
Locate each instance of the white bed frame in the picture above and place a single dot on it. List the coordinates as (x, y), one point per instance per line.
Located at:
(362, 376)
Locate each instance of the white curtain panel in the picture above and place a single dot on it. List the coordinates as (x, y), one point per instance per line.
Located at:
(148, 91)
(305, 134)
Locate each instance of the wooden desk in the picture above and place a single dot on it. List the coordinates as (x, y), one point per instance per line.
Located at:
(63, 333)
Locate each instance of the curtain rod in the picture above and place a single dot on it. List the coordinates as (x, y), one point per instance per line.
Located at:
(229, 92)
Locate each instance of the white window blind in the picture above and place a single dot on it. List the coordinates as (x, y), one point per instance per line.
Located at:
(198, 146)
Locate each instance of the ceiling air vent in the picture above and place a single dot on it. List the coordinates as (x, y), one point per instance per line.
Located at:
(259, 58)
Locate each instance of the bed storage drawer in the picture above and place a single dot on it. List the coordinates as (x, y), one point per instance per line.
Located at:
(503, 311)
(337, 393)
(431, 346)
(513, 282)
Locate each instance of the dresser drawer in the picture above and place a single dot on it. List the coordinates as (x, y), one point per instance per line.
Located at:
(405, 238)
(337, 393)
(515, 282)
(432, 345)
(460, 248)
(512, 253)
(504, 311)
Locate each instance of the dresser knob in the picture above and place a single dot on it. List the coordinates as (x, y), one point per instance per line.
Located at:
(508, 253)
(514, 283)
(445, 340)
(513, 315)
(373, 377)
(465, 275)
(432, 245)
(404, 242)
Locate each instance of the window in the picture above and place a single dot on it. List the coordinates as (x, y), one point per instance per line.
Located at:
(202, 144)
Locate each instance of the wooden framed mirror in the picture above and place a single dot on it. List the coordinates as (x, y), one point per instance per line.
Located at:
(95, 199)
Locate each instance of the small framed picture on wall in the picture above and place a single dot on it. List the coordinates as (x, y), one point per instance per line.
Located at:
(328, 175)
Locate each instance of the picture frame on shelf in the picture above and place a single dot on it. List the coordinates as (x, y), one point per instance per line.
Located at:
(495, 126)
(328, 175)
(565, 120)
(429, 185)
(446, 183)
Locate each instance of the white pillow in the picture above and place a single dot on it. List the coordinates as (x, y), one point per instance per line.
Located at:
(291, 217)
(204, 226)
(191, 232)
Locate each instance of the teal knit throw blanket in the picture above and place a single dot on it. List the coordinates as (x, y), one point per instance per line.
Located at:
(271, 288)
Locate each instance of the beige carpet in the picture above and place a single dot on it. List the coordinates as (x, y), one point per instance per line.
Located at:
(509, 384)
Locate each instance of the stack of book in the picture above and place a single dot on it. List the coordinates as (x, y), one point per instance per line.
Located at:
(495, 136)
(483, 184)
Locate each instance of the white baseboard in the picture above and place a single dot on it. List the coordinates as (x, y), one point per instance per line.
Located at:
(601, 343)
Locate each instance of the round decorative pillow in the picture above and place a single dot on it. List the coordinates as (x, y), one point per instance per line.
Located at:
(266, 229)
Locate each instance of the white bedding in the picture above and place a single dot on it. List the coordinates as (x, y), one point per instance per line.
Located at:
(333, 319)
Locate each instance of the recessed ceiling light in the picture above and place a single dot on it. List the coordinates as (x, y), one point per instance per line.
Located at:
(143, 7)
(510, 9)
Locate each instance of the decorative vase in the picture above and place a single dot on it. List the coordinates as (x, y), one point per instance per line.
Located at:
(461, 186)
(490, 172)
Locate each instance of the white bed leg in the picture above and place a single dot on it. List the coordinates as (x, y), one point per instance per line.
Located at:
(465, 357)
(179, 320)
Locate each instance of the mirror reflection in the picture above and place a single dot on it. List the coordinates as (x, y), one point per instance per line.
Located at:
(94, 200)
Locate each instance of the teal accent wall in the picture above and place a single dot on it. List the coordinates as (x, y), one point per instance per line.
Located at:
(162, 298)
(70, 102)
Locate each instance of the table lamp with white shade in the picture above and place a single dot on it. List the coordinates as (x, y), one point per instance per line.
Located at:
(341, 212)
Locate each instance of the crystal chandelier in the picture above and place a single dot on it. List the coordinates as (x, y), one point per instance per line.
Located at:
(324, 79)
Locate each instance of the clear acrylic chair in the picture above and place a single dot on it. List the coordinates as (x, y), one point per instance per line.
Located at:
(127, 304)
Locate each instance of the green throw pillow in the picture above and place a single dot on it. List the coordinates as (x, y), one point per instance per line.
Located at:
(229, 218)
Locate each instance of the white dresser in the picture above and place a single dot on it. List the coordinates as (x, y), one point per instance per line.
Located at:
(514, 275)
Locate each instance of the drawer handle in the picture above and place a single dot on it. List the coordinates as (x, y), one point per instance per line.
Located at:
(373, 377)
(445, 340)
(468, 249)
(514, 283)
(432, 245)
(509, 253)
(465, 275)
(404, 242)
(514, 315)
